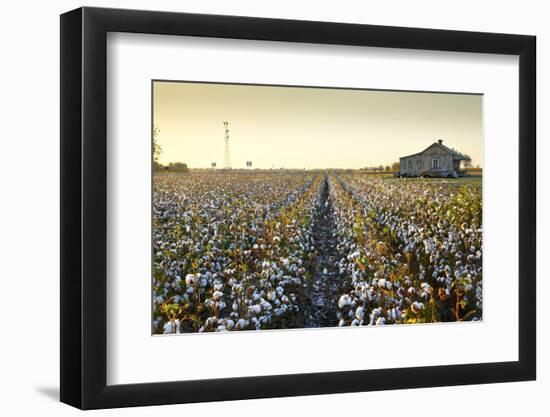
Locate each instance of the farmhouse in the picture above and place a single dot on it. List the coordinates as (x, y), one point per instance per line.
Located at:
(435, 158)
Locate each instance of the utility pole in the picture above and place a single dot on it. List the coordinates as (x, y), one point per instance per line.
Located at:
(226, 154)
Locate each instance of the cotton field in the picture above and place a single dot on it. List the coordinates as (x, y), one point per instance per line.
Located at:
(283, 249)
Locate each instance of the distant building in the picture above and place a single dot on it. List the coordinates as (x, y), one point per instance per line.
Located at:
(435, 158)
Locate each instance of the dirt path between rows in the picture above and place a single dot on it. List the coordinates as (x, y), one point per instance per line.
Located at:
(324, 290)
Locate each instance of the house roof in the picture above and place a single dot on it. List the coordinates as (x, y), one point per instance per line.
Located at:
(456, 155)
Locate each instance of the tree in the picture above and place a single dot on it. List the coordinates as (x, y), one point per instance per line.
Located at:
(157, 149)
(396, 166)
(158, 167)
(467, 161)
(177, 167)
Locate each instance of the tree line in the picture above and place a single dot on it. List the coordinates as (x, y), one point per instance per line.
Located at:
(381, 168)
(157, 151)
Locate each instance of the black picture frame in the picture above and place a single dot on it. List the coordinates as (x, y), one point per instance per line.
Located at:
(84, 207)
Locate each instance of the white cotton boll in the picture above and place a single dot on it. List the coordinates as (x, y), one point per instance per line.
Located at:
(217, 295)
(325, 271)
(190, 290)
(242, 324)
(417, 307)
(221, 329)
(342, 323)
(168, 327)
(256, 309)
(380, 321)
(172, 327)
(411, 291)
(229, 324)
(389, 285)
(190, 279)
(235, 306)
(218, 286)
(377, 312)
(345, 300)
(355, 322)
(211, 321)
(354, 255)
(382, 283)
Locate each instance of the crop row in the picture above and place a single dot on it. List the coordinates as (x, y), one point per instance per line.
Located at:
(412, 251)
(230, 251)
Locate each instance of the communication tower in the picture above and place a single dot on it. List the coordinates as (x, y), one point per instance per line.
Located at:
(226, 154)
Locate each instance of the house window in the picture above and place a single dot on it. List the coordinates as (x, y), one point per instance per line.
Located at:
(409, 163)
(435, 163)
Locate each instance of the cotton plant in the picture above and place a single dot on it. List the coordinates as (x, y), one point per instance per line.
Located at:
(415, 254)
(242, 245)
(237, 251)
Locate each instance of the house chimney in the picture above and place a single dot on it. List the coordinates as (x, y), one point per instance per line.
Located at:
(440, 141)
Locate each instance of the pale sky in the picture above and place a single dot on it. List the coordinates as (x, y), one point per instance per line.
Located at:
(296, 127)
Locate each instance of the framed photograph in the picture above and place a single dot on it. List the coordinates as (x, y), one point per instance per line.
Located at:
(257, 208)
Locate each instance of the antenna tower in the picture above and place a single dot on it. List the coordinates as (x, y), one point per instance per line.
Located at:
(226, 153)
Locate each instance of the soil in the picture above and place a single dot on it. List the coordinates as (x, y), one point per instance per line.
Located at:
(324, 288)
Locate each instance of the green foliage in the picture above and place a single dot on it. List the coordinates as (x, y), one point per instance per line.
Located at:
(177, 167)
(239, 251)
(157, 149)
(158, 167)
